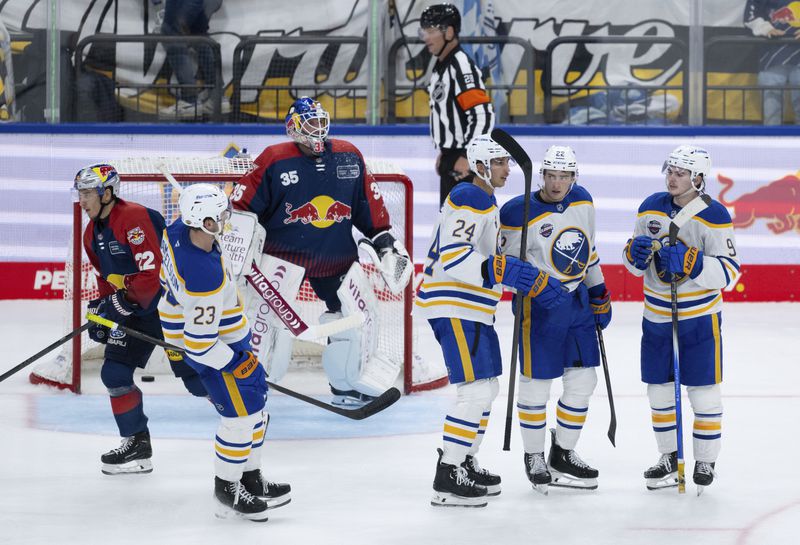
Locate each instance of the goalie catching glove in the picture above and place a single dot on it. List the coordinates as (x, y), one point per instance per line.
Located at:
(391, 259)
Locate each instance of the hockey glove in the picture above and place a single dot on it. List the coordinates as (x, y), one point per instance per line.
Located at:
(98, 333)
(640, 251)
(681, 259)
(247, 370)
(600, 303)
(116, 308)
(391, 259)
(548, 291)
(511, 272)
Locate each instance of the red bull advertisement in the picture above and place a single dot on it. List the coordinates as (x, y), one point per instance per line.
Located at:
(777, 203)
(321, 211)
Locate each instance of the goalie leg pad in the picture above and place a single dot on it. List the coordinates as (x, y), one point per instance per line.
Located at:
(341, 359)
(707, 430)
(662, 406)
(532, 410)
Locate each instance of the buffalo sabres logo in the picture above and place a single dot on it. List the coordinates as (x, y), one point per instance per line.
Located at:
(570, 252)
(654, 226)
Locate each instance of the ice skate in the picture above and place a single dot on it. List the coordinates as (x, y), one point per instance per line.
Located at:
(275, 494)
(132, 456)
(664, 474)
(453, 488)
(350, 398)
(482, 476)
(567, 468)
(537, 472)
(234, 501)
(703, 475)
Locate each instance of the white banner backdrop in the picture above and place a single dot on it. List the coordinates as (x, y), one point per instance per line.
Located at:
(538, 22)
(756, 177)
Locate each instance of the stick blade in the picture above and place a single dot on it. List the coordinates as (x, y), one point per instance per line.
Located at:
(386, 399)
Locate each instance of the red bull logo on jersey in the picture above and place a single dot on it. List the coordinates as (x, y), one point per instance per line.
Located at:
(321, 212)
(778, 203)
(136, 236)
(788, 14)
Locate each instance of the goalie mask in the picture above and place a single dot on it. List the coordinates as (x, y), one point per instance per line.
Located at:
(692, 158)
(199, 202)
(97, 177)
(307, 123)
(482, 149)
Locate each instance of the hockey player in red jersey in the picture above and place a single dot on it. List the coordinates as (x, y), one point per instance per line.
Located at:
(309, 194)
(122, 241)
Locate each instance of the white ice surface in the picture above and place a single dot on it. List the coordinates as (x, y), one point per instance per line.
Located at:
(369, 482)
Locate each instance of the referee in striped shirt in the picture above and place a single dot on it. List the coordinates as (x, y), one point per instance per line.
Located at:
(460, 107)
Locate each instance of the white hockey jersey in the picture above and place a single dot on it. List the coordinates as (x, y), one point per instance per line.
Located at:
(201, 309)
(711, 231)
(560, 237)
(453, 284)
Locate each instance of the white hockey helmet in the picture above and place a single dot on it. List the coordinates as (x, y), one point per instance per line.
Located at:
(559, 158)
(199, 202)
(99, 177)
(692, 158)
(482, 149)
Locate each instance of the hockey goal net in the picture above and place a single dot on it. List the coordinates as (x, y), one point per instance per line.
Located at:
(142, 180)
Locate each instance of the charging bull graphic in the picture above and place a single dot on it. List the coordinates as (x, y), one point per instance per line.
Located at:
(321, 211)
(778, 202)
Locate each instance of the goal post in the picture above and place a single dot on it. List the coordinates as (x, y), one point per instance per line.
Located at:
(142, 180)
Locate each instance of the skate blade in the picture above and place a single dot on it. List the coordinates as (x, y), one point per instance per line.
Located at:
(562, 480)
(277, 501)
(670, 481)
(128, 468)
(540, 488)
(444, 499)
(227, 513)
(493, 490)
(700, 489)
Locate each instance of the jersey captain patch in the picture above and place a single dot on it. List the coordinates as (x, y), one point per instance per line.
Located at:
(136, 236)
(570, 251)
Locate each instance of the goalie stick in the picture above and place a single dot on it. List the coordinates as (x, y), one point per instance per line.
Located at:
(375, 406)
(524, 161)
(59, 342)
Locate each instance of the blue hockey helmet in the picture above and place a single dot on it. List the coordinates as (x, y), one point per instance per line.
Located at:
(98, 177)
(307, 123)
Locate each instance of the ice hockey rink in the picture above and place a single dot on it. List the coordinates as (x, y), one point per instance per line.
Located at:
(369, 482)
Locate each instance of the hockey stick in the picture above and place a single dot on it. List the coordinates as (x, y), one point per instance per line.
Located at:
(524, 161)
(378, 404)
(44, 351)
(694, 207)
(612, 425)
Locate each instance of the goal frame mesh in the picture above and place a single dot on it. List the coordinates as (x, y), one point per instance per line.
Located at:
(185, 170)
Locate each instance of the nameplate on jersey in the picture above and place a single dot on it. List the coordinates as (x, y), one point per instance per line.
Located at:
(239, 241)
(344, 172)
(115, 248)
